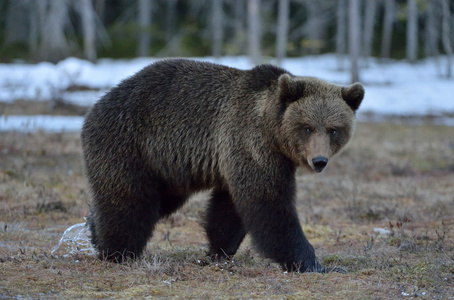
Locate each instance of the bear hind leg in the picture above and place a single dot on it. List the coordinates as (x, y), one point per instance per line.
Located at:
(223, 226)
(121, 228)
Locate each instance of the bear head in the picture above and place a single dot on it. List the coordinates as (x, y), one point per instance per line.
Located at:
(317, 118)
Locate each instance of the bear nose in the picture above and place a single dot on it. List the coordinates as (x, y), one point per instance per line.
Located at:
(320, 163)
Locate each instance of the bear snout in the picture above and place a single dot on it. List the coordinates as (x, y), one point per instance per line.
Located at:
(319, 163)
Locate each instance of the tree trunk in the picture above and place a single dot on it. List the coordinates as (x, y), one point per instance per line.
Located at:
(282, 30)
(171, 14)
(216, 23)
(369, 23)
(431, 34)
(100, 6)
(33, 34)
(17, 32)
(239, 30)
(254, 34)
(446, 36)
(353, 38)
(53, 46)
(387, 28)
(341, 33)
(314, 28)
(144, 16)
(412, 31)
(88, 17)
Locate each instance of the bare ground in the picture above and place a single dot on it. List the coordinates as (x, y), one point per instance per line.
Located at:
(391, 177)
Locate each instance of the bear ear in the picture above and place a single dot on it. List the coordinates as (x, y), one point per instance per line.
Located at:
(353, 95)
(290, 90)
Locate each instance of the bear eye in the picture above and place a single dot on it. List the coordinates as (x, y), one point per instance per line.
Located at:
(332, 131)
(307, 129)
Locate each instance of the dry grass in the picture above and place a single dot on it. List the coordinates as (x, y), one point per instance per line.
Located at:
(396, 177)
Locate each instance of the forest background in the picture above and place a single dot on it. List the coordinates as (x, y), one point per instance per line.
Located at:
(52, 30)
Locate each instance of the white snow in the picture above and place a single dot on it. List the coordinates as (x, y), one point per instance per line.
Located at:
(392, 88)
(75, 240)
(381, 230)
(41, 122)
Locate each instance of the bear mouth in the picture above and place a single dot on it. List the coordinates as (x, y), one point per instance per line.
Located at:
(305, 165)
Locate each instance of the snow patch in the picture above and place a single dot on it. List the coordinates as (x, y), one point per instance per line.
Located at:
(41, 122)
(395, 88)
(75, 239)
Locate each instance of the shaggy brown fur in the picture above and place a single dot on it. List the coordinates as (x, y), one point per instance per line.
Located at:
(180, 126)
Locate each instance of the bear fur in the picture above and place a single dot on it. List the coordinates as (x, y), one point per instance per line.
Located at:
(180, 126)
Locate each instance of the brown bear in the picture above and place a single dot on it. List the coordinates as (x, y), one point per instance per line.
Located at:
(180, 126)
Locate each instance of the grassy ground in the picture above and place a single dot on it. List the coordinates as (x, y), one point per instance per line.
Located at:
(394, 177)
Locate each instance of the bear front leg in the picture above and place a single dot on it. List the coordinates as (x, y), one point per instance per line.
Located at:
(223, 226)
(276, 232)
(264, 198)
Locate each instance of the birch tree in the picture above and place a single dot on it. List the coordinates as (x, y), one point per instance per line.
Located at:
(412, 31)
(53, 15)
(45, 26)
(144, 16)
(353, 38)
(446, 36)
(100, 6)
(388, 21)
(282, 30)
(341, 32)
(216, 25)
(34, 31)
(239, 26)
(254, 31)
(315, 26)
(369, 24)
(171, 16)
(17, 32)
(431, 30)
(88, 17)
